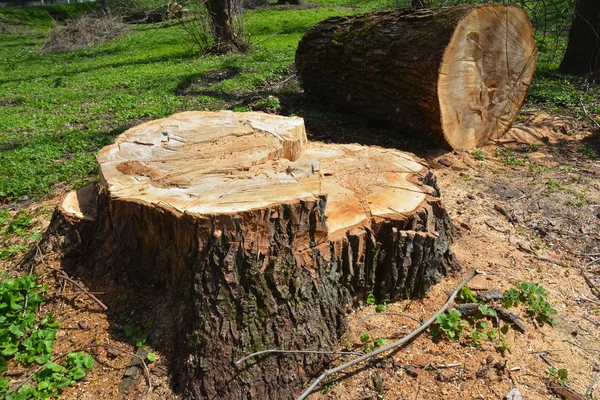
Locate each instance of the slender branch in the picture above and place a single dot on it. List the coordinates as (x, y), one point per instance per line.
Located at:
(587, 114)
(590, 388)
(41, 367)
(388, 313)
(590, 283)
(395, 344)
(83, 290)
(297, 352)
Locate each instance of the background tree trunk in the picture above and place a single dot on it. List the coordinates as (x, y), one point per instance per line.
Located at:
(256, 239)
(583, 50)
(458, 75)
(223, 14)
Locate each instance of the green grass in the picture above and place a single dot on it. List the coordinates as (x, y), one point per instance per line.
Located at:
(57, 110)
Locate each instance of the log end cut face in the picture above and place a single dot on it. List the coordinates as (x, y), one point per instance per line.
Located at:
(485, 74)
(216, 163)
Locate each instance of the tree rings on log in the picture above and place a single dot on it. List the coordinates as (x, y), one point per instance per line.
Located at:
(458, 75)
(257, 238)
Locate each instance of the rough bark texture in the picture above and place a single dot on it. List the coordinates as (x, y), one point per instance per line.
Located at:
(222, 14)
(458, 75)
(274, 276)
(583, 50)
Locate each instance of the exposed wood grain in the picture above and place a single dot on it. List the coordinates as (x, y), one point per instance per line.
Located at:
(457, 74)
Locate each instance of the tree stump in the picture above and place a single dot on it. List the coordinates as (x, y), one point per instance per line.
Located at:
(458, 75)
(260, 239)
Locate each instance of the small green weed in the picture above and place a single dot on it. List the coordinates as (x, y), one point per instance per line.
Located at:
(587, 152)
(20, 224)
(479, 326)
(135, 334)
(381, 307)
(467, 295)
(534, 296)
(504, 346)
(8, 252)
(268, 104)
(29, 339)
(478, 155)
(365, 339)
(370, 299)
(508, 157)
(557, 375)
(449, 324)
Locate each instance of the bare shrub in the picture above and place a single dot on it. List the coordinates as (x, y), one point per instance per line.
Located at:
(209, 34)
(198, 28)
(79, 33)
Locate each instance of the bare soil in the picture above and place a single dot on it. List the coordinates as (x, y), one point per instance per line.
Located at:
(531, 213)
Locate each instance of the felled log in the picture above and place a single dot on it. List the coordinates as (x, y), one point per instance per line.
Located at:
(458, 75)
(259, 239)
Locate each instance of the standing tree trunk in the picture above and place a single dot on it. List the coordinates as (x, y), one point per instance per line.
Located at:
(223, 14)
(583, 50)
(458, 74)
(259, 239)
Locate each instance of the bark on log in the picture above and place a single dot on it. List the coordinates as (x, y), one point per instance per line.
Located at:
(259, 239)
(458, 75)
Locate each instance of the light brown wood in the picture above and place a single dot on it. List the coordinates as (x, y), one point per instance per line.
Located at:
(485, 74)
(223, 163)
(456, 75)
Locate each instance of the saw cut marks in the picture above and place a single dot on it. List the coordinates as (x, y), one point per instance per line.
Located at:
(223, 163)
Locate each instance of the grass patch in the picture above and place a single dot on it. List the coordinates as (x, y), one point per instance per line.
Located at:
(57, 110)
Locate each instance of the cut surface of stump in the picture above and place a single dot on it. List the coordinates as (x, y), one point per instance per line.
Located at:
(207, 164)
(258, 238)
(458, 74)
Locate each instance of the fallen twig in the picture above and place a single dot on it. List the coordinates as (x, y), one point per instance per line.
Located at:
(505, 212)
(548, 259)
(354, 353)
(590, 283)
(64, 276)
(496, 229)
(388, 313)
(473, 308)
(440, 366)
(590, 388)
(543, 357)
(41, 367)
(395, 344)
(587, 114)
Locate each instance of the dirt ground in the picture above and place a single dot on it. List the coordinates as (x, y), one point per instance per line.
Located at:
(523, 212)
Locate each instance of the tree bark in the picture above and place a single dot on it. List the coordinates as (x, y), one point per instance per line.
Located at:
(582, 56)
(257, 239)
(222, 14)
(457, 75)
